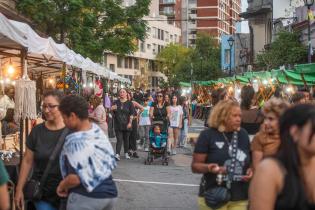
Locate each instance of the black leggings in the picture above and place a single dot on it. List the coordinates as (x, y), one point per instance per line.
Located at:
(122, 137)
(133, 136)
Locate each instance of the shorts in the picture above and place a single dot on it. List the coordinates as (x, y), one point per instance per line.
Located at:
(232, 205)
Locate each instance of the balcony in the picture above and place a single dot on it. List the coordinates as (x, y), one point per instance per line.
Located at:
(192, 36)
(167, 12)
(192, 16)
(167, 2)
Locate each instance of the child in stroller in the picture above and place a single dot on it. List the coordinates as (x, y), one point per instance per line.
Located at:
(158, 145)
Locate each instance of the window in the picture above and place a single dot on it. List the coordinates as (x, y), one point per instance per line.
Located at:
(120, 61)
(126, 63)
(130, 63)
(171, 38)
(159, 34)
(136, 63)
(162, 35)
(148, 46)
(154, 49)
(175, 40)
(159, 48)
(112, 67)
(142, 46)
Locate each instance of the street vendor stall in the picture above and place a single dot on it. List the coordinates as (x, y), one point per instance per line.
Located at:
(25, 56)
(265, 83)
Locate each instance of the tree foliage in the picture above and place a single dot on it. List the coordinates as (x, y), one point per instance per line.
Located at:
(181, 64)
(285, 50)
(90, 26)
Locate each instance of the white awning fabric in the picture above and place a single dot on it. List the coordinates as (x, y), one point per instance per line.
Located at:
(15, 35)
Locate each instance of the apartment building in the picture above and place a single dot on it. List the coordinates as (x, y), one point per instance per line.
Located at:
(172, 9)
(140, 67)
(215, 17)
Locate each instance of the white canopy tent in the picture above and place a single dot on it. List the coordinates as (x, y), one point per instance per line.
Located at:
(44, 52)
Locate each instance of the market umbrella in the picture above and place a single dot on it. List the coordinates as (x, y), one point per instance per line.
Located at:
(25, 102)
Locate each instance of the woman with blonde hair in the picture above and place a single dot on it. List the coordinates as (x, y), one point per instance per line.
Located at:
(267, 141)
(222, 154)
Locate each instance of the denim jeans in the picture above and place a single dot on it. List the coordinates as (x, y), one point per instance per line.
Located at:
(183, 133)
(43, 205)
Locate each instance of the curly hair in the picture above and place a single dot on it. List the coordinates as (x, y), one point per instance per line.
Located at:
(220, 113)
(276, 106)
(247, 95)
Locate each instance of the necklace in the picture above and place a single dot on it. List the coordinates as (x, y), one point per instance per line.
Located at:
(228, 143)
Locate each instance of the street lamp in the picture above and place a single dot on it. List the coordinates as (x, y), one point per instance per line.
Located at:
(231, 43)
(309, 3)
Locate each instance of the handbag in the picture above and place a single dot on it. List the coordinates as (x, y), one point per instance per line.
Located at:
(33, 188)
(218, 196)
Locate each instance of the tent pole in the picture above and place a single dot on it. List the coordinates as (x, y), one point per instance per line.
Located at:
(64, 77)
(23, 63)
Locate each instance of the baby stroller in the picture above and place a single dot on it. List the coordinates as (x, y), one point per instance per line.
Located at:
(158, 145)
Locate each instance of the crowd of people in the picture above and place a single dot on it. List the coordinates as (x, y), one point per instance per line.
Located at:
(251, 155)
(55, 175)
(257, 157)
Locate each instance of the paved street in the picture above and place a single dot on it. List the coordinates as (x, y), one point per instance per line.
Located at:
(155, 186)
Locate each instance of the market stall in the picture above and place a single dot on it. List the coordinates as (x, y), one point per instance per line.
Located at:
(30, 63)
(265, 83)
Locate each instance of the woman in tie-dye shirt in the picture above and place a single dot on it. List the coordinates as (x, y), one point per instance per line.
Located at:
(86, 161)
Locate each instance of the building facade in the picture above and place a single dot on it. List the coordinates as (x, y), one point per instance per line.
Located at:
(239, 53)
(172, 9)
(260, 21)
(215, 17)
(141, 66)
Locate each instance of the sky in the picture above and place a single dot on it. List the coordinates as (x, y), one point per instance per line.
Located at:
(244, 25)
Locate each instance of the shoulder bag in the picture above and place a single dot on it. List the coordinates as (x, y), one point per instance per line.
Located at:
(33, 188)
(218, 196)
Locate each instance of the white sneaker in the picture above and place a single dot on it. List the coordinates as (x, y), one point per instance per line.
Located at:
(173, 152)
(146, 149)
(117, 157)
(127, 156)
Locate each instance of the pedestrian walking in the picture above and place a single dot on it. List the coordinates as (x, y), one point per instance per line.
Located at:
(40, 145)
(98, 115)
(267, 141)
(160, 111)
(134, 135)
(251, 114)
(4, 194)
(222, 155)
(185, 122)
(123, 110)
(145, 124)
(167, 99)
(217, 95)
(290, 183)
(175, 118)
(86, 160)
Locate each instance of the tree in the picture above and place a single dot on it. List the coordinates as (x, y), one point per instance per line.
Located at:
(172, 61)
(90, 27)
(177, 61)
(285, 50)
(206, 58)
